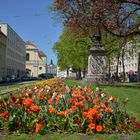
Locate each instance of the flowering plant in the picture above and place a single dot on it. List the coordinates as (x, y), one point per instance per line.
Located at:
(53, 106)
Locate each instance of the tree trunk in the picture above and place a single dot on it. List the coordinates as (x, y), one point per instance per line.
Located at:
(139, 67)
(109, 69)
(67, 72)
(123, 66)
(84, 73)
(78, 75)
(117, 67)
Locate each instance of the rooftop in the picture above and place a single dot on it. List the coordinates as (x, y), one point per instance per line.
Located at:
(30, 43)
(41, 54)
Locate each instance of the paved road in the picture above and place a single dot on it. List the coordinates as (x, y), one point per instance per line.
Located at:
(14, 83)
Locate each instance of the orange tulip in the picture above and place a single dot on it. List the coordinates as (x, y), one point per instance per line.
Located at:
(52, 110)
(28, 110)
(28, 102)
(91, 126)
(70, 100)
(29, 93)
(79, 104)
(111, 98)
(50, 101)
(6, 114)
(96, 99)
(62, 113)
(73, 108)
(99, 128)
(99, 115)
(110, 110)
(85, 114)
(38, 128)
(35, 108)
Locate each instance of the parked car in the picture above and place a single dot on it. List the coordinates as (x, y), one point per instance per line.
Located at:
(134, 78)
(18, 79)
(12, 78)
(46, 75)
(25, 78)
(0, 79)
(5, 79)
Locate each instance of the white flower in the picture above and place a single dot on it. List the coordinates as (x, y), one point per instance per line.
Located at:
(103, 95)
(54, 94)
(97, 89)
(62, 96)
(67, 89)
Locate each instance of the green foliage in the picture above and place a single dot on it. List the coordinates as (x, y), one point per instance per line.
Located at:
(72, 50)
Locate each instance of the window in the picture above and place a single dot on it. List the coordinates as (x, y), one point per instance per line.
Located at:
(27, 56)
(40, 68)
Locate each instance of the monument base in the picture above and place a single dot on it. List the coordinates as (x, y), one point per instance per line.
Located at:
(95, 78)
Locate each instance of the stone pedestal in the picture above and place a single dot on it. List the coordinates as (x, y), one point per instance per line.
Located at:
(96, 65)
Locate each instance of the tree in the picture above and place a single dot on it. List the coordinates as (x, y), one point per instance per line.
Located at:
(120, 18)
(111, 45)
(72, 52)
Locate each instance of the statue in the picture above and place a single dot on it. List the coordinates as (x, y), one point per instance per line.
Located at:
(96, 61)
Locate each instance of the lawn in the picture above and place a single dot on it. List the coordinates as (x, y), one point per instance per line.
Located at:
(56, 136)
(4, 89)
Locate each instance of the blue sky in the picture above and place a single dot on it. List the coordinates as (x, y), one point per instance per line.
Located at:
(32, 20)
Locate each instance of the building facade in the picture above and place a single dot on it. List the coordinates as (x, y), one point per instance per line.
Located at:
(66, 74)
(131, 60)
(13, 53)
(2, 54)
(36, 60)
(51, 68)
(61, 73)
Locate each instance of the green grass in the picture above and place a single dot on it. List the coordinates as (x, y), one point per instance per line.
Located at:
(8, 88)
(56, 136)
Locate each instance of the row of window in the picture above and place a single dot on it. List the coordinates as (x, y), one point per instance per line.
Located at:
(15, 55)
(2, 40)
(15, 72)
(135, 65)
(16, 46)
(16, 64)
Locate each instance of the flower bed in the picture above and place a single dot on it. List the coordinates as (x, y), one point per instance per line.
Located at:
(53, 106)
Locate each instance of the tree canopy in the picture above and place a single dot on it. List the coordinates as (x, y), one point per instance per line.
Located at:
(120, 18)
(72, 51)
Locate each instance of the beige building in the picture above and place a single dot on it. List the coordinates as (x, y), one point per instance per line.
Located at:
(36, 60)
(13, 53)
(131, 60)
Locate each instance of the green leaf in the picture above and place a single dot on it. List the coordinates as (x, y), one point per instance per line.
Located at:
(24, 117)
